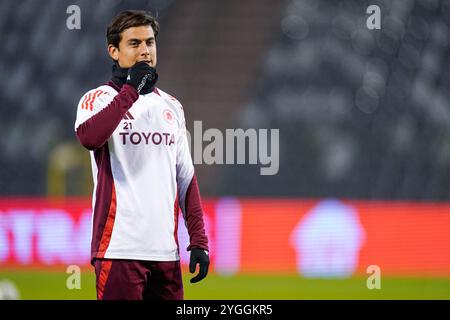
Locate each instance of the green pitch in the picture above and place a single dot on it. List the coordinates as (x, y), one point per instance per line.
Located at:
(52, 285)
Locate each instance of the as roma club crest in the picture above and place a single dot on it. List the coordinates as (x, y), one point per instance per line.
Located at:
(168, 115)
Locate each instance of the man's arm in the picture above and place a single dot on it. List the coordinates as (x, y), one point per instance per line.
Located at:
(191, 206)
(198, 240)
(98, 128)
(189, 194)
(194, 217)
(95, 131)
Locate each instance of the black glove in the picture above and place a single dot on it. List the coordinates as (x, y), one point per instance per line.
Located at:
(201, 257)
(141, 75)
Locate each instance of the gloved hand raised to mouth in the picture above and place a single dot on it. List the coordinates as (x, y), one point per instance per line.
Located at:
(141, 76)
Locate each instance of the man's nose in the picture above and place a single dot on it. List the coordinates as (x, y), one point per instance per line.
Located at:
(144, 50)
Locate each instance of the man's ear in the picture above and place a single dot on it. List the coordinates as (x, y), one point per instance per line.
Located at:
(113, 52)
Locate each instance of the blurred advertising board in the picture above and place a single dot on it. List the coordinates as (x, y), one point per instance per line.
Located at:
(311, 237)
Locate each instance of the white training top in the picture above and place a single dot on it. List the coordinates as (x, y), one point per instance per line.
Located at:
(149, 162)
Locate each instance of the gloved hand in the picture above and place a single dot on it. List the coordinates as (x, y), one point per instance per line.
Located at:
(140, 75)
(201, 257)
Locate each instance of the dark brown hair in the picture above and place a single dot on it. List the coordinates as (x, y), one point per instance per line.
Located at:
(128, 19)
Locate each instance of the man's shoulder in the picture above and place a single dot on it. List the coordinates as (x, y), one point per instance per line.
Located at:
(102, 89)
(101, 94)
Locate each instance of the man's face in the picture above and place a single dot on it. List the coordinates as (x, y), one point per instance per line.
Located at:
(137, 44)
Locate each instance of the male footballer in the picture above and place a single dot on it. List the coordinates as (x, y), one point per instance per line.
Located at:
(142, 172)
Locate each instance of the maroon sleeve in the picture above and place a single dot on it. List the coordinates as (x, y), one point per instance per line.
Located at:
(94, 132)
(194, 217)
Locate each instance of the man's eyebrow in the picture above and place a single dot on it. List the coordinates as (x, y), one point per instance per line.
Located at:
(139, 40)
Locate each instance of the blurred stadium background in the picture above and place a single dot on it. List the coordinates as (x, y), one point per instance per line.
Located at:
(364, 172)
